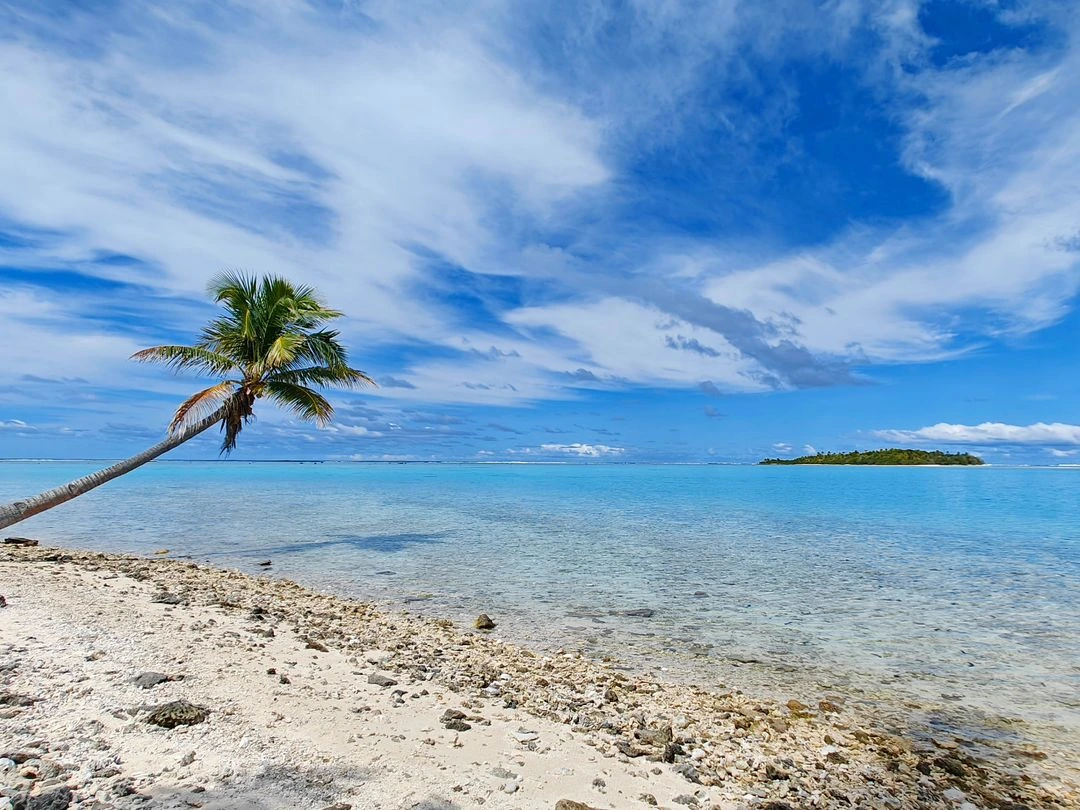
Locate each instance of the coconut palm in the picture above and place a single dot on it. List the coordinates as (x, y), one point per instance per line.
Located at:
(269, 343)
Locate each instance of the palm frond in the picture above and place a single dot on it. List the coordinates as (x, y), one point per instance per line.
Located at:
(233, 288)
(336, 377)
(283, 350)
(238, 410)
(180, 358)
(202, 404)
(304, 402)
(323, 348)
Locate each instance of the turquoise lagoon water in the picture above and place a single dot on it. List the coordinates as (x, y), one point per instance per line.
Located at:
(958, 586)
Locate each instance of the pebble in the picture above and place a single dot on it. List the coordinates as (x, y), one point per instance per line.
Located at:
(378, 679)
(147, 680)
(510, 786)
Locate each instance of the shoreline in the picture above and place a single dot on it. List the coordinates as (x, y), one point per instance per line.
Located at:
(611, 729)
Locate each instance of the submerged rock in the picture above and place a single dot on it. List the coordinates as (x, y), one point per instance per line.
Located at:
(177, 713)
(642, 613)
(484, 622)
(19, 541)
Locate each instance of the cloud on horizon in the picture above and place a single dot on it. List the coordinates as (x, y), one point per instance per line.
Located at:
(989, 434)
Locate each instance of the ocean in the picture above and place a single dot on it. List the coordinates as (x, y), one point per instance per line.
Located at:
(955, 587)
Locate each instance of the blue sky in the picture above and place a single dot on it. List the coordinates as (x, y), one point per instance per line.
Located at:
(626, 231)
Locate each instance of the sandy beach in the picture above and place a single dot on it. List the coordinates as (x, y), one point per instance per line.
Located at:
(293, 699)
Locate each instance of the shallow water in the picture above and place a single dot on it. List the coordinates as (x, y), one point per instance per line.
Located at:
(959, 586)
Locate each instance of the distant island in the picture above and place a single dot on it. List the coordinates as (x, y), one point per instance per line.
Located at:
(890, 456)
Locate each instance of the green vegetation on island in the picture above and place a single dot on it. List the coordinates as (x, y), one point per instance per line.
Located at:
(885, 457)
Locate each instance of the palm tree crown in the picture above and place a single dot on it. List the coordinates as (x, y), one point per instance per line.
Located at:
(270, 342)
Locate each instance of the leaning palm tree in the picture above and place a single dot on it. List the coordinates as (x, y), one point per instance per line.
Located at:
(270, 342)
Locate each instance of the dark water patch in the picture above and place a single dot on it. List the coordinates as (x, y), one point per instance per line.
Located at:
(382, 543)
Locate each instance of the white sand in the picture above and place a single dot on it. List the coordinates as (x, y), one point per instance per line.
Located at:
(77, 637)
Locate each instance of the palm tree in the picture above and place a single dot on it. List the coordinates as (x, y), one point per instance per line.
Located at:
(270, 342)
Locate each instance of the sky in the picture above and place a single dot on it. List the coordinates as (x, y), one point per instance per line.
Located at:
(633, 231)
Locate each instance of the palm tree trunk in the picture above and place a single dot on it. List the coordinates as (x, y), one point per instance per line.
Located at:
(12, 513)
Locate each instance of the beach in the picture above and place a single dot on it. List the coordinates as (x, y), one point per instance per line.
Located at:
(314, 701)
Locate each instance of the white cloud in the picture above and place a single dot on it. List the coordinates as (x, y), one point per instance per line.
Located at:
(809, 450)
(989, 433)
(408, 129)
(390, 136)
(1002, 136)
(341, 429)
(782, 447)
(1056, 453)
(579, 449)
(633, 341)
